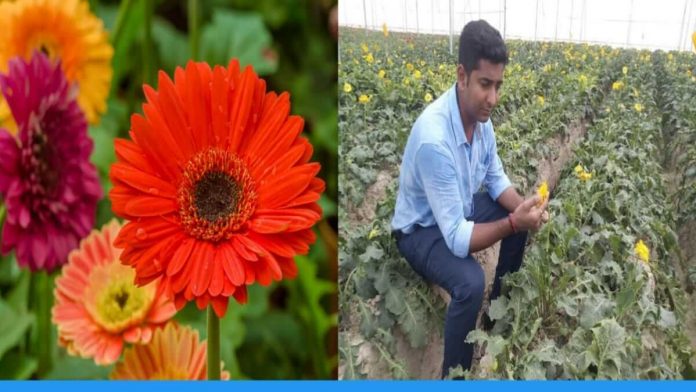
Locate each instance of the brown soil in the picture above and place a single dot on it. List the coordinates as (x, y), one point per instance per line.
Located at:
(549, 168)
(374, 194)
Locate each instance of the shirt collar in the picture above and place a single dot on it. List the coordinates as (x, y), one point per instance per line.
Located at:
(457, 126)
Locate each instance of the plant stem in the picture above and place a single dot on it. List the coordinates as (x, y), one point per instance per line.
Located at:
(3, 210)
(44, 298)
(123, 12)
(193, 22)
(147, 42)
(213, 345)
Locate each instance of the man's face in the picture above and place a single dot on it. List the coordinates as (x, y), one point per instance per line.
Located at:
(479, 91)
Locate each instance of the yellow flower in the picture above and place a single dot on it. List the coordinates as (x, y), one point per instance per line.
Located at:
(65, 30)
(428, 97)
(583, 80)
(364, 99)
(579, 169)
(585, 176)
(347, 87)
(364, 47)
(409, 66)
(385, 31)
(670, 57)
(422, 63)
(417, 74)
(617, 85)
(642, 251)
(373, 233)
(624, 70)
(381, 74)
(638, 107)
(369, 58)
(543, 193)
(540, 99)
(406, 82)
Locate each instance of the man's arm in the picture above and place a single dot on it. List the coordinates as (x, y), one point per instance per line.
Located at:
(510, 199)
(525, 216)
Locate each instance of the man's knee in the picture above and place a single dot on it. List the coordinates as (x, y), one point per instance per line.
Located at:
(470, 285)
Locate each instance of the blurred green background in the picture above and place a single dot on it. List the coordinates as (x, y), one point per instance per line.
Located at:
(287, 330)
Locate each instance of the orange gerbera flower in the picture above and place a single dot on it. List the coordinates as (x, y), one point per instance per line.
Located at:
(217, 186)
(175, 353)
(98, 306)
(64, 30)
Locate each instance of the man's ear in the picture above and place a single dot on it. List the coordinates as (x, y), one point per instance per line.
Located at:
(462, 77)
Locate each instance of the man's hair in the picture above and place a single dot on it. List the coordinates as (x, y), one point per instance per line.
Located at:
(479, 40)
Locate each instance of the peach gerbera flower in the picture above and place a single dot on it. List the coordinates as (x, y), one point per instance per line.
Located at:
(65, 30)
(175, 353)
(98, 307)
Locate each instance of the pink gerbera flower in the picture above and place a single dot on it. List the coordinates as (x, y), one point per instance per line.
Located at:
(48, 185)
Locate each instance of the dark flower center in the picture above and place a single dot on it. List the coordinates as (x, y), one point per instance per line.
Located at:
(215, 196)
(38, 162)
(121, 298)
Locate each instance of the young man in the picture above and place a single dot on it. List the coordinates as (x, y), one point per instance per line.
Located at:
(440, 219)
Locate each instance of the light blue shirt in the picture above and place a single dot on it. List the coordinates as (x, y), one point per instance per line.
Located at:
(441, 171)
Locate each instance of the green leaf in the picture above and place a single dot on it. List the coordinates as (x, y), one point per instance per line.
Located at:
(67, 367)
(498, 308)
(18, 298)
(172, 45)
(593, 309)
(16, 366)
(240, 35)
(13, 327)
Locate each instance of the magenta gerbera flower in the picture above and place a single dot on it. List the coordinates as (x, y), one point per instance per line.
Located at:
(47, 183)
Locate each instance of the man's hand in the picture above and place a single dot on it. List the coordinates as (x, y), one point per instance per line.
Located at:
(527, 216)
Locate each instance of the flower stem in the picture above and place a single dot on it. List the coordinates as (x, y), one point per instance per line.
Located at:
(147, 42)
(193, 24)
(3, 210)
(44, 298)
(213, 345)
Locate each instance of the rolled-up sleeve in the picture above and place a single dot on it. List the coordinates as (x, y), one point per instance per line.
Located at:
(439, 177)
(496, 180)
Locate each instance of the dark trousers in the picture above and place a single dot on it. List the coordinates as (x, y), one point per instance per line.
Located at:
(426, 252)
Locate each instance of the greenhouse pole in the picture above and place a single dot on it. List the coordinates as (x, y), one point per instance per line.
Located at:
(365, 16)
(405, 17)
(417, 22)
(555, 34)
(504, 17)
(630, 19)
(450, 27)
(681, 31)
(536, 19)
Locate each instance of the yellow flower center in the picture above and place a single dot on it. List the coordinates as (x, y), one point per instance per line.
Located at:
(113, 300)
(43, 43)
(120, 301)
